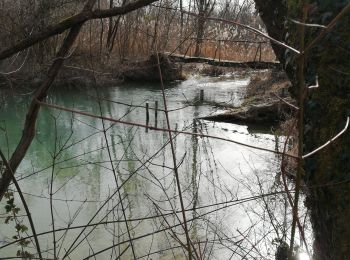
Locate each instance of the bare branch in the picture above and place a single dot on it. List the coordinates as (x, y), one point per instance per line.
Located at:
(70, 22)
(329, 27)
(330, 141)
(308, 24)
(315, 86)
(160, 129)
(26, 208)
(33, 110)
(174, 162)
(247, 27)
(19, 68)
(286, 102)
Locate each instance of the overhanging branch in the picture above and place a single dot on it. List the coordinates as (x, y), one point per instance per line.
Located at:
(70, 22)
(75, 23)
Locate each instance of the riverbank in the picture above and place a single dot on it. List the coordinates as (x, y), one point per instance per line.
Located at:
(80, 72)
(213, 170)
(267, 101)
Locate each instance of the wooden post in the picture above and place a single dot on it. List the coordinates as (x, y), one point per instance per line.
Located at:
(155, 113)
(256, 53)
(260, 52)
(147, 116)
(220, 50)
(147, 112)
(195, 126)
(201, 95)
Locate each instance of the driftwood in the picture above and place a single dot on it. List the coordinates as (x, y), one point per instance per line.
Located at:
(268, 112)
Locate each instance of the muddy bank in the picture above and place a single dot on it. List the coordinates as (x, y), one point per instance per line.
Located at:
(80, 72)
(103, 74)
(262, 103)
(148, 70)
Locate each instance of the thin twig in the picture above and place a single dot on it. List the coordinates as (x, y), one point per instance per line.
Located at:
(19, 68)
(115, 174)
(316, 84)
(33, 109)
(26, 208)
(159, 129)
(174, 161)
(71, 22)
(286, 102)
(329, 27)
(330, 141)
(226, 203)
(308, 24)
(247, 27)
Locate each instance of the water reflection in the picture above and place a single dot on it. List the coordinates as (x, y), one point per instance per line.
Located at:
(91, 156)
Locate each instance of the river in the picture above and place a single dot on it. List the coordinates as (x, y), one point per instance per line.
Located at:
(82, 159)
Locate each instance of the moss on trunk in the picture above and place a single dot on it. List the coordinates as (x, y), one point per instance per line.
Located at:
(327, 173)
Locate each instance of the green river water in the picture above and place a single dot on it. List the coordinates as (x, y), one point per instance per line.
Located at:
(70, 155)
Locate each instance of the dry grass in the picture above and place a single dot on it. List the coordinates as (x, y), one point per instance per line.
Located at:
(138, 45)
(134, 41)
(268, 82)
(242, 52)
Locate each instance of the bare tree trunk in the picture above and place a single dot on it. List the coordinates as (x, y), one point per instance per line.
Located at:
(274, 14)
(200, 27)
(110, 25)
(205, 8)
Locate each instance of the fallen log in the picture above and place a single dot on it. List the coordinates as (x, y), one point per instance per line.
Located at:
(224, 63)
